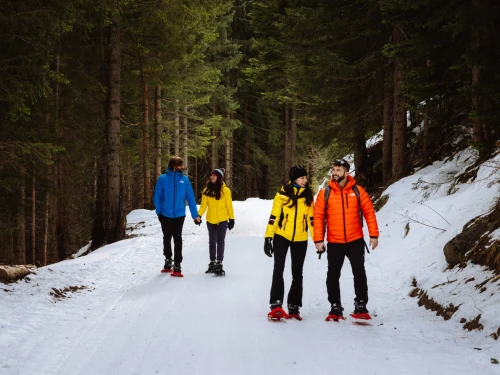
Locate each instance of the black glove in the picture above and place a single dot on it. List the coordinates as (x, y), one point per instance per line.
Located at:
(268, 247)
(198, 222)
(230, 225)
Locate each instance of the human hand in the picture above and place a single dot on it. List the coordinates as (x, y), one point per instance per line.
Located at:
(230, 225)
(320, 247)
(197, 220)
(373, 242)
(268, 247)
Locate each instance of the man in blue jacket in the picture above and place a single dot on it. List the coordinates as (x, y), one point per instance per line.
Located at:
(172, 190)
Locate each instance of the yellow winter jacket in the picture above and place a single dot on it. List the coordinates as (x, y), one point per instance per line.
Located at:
(218, 210)
(290, 223)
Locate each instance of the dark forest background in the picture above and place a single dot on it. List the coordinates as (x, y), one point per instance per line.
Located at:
(96, 96)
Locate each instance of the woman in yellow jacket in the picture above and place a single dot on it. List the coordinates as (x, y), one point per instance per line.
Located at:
(291, 217)
(216, 197)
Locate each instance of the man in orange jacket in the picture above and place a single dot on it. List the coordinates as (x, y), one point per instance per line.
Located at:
(344, 234)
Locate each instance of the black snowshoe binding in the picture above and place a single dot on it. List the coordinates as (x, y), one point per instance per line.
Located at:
(218, 270)
(211, 266)
(335, 313)
(176, 271)
(167, 268)
(360, 311)
(293, 312)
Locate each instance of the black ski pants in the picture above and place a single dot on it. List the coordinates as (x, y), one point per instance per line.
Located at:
(337, 252)
(298, 254)
(216, 240)
(172, 228)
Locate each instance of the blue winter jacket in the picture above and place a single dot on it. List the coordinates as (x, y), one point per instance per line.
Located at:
(171, 192)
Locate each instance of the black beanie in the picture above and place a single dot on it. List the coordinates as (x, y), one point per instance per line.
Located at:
(297, 171)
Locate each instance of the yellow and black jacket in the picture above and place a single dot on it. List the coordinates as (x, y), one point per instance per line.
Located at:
(291, 223)
(218, 210)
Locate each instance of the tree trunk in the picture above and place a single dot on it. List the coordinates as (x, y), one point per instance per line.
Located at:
(215, 160)
(478, 133)
(113, 217)
(185, 149)
(388, 123)
(43, 257)
(145, 141)
(176, 128)
(20, 249)
(229, 161)
(360, 154)
(399, 136)
(33, 219)
(158, 132)
(287, 155)
(293, 136)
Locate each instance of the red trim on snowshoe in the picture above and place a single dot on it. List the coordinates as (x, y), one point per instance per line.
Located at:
(176, 274)
(363, 316)
(277, 314)
(296, 316)
(335, 318)
(166, 271)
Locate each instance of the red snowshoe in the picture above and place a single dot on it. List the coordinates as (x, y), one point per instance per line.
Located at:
(335, 318)
(362, 316)
(293, 316)
(176, 271)
(277, 314)
(166, 271)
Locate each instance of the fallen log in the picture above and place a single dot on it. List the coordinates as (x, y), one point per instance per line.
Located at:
(13, 273)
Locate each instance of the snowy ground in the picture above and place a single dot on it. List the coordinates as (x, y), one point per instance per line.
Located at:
(130, 319)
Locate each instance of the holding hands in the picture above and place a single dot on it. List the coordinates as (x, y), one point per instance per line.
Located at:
(197, 220)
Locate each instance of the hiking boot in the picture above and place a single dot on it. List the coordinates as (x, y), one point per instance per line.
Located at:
(293, 309)
(277, 303)
(168, 265)
(210, 267)
(177, 267)
(360, 307)
(336, 309)
(218, 270)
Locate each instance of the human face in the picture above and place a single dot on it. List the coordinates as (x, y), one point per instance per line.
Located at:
(301, 181)
(338, 173)
(213, 178)
(179, 168)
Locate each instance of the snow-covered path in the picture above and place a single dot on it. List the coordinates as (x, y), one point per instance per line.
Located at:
(134, 320)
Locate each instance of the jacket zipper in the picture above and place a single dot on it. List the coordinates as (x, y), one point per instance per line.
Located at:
(295, 219)
(175, 190)
(343, 214)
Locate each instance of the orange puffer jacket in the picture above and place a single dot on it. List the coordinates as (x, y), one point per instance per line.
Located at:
(342, 220)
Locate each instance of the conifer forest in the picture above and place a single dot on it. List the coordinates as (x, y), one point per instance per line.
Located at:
(97, 96)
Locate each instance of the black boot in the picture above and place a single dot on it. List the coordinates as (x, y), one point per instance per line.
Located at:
(277, 303)
(360, 307)
(294, 310)
(210, 267)
(218, 270)
(177, 267)
(168, 265)
(336, 310)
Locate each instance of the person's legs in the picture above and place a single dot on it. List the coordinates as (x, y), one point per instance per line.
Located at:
(336, 254)
(178, 223)
(221, 237)
(280, 246)
(167, 228)
(212, 240)
(356, 255)
(298, 253)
